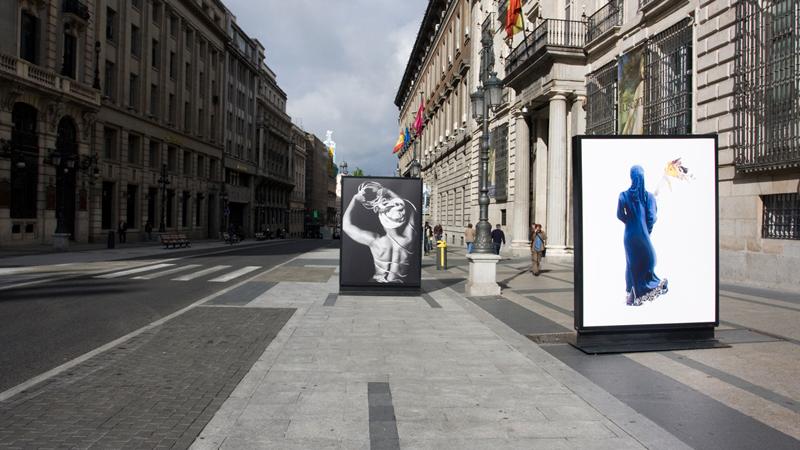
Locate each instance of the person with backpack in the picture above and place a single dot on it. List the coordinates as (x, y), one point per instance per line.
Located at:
(538, 245)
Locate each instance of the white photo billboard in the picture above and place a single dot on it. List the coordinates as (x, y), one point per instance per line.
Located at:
(646, 234)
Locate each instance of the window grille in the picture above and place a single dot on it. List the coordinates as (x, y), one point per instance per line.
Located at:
(498, 141)
(601, 106)
(781, 218)
(668, 81)
(767, 85)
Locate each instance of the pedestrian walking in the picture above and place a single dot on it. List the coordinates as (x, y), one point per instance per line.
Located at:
(437, 232)
(427, 234)
(538, 245)
(122, 231)
(148, 229)
(469, 238)
(498, 239)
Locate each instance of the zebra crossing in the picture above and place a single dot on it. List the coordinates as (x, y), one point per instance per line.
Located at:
(186, 272)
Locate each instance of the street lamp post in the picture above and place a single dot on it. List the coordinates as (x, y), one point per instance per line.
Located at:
(483, 261)
(163, 181)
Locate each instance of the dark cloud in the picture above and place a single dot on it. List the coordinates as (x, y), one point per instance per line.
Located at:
(340, 63)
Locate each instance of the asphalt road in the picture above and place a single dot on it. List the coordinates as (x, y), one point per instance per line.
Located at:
(48, 324)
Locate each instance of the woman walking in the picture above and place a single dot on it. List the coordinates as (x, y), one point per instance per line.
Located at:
(538, 242)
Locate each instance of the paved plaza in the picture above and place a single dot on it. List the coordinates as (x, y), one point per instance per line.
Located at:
(277, 358)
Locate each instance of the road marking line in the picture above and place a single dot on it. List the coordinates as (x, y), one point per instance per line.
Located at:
(200, 273)
(235, 274)
(152, 276)
(132, 271)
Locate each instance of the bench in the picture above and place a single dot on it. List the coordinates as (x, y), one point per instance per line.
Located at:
(175, 240)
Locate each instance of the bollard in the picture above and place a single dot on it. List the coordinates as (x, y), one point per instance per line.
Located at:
(441, 255)
(111, 241)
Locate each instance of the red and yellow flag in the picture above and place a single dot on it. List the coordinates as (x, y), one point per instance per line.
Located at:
(514, 18)
(399, 145)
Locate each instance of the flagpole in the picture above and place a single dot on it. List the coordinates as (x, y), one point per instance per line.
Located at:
(415, 164)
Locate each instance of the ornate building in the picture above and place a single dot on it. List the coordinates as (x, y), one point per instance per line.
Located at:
(700, 66)
(297, 198)
(49, 99)
(437, 74)
(276, 155)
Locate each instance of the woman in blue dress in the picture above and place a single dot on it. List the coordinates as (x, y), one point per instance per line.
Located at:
(637, 210)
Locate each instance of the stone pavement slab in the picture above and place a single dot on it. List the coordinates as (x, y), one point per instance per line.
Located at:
(454, 380)
(160, 388)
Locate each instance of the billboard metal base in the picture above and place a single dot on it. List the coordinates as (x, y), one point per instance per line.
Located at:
(380, 292)
(647, 341)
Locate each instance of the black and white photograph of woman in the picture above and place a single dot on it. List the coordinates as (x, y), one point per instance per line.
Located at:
(387, 223)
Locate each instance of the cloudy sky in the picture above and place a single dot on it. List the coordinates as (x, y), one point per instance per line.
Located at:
(340, 63)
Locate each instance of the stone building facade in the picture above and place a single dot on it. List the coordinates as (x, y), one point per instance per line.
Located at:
(276, 155)
(438, 75)
(48, 104)
(715, 67)
(158, 134)
(297, 198)
(318, 181)
(244, 57)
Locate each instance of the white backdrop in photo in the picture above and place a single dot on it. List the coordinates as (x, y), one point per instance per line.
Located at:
(684, 234)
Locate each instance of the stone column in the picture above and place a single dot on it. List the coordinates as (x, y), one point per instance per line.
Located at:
(522, 175)
(557, 177)
(540, 190)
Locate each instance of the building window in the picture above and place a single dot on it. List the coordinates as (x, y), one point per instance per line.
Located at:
(185, 208)
(601, 104)
(136, 41)
(187, 117)
(111, 25)
(155, 54)
(200, 117)
(187, 163)
(69, 62)
(170, 208)
(188, 75)
(198, 208)
(172, 65)
(137, 4)
(133, 97)
(156, 12)
(498, 139)
(173, 26)
(154, 100)
(132, 199)
(172, 109)
(188, 40)
(29, 38)
(153, 154)
(212, 169)
(781, 219)
(503, 217)
(134, 149)
(172, 159)
(109, 143)
(110, 86)
(668, 81)
(201, 166)
(767, 86)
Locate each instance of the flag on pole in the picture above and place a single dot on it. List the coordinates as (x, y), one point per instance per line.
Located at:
(514, 18)
(400, 143)
(408, 138)
(418, 122)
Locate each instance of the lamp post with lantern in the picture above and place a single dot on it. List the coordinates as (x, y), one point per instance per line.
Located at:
(483, 261)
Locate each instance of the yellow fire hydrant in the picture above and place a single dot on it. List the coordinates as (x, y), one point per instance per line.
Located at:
(441, 257)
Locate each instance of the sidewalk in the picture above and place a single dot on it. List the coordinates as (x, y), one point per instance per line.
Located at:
(432, 372)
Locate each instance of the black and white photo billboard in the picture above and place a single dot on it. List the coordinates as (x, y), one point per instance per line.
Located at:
(646, 232)
(381, 233)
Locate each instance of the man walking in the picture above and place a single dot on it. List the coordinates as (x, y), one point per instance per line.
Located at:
(122, 231)
(437, 232)
(469, 237)
(498, 238)
(538, 241)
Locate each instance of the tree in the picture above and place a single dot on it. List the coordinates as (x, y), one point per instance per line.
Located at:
(358, 172)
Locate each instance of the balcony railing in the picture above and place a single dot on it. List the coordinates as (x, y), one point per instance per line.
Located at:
(555, 34)
(75, 7)
(606, 18)
(45, 78)
(644, 4)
